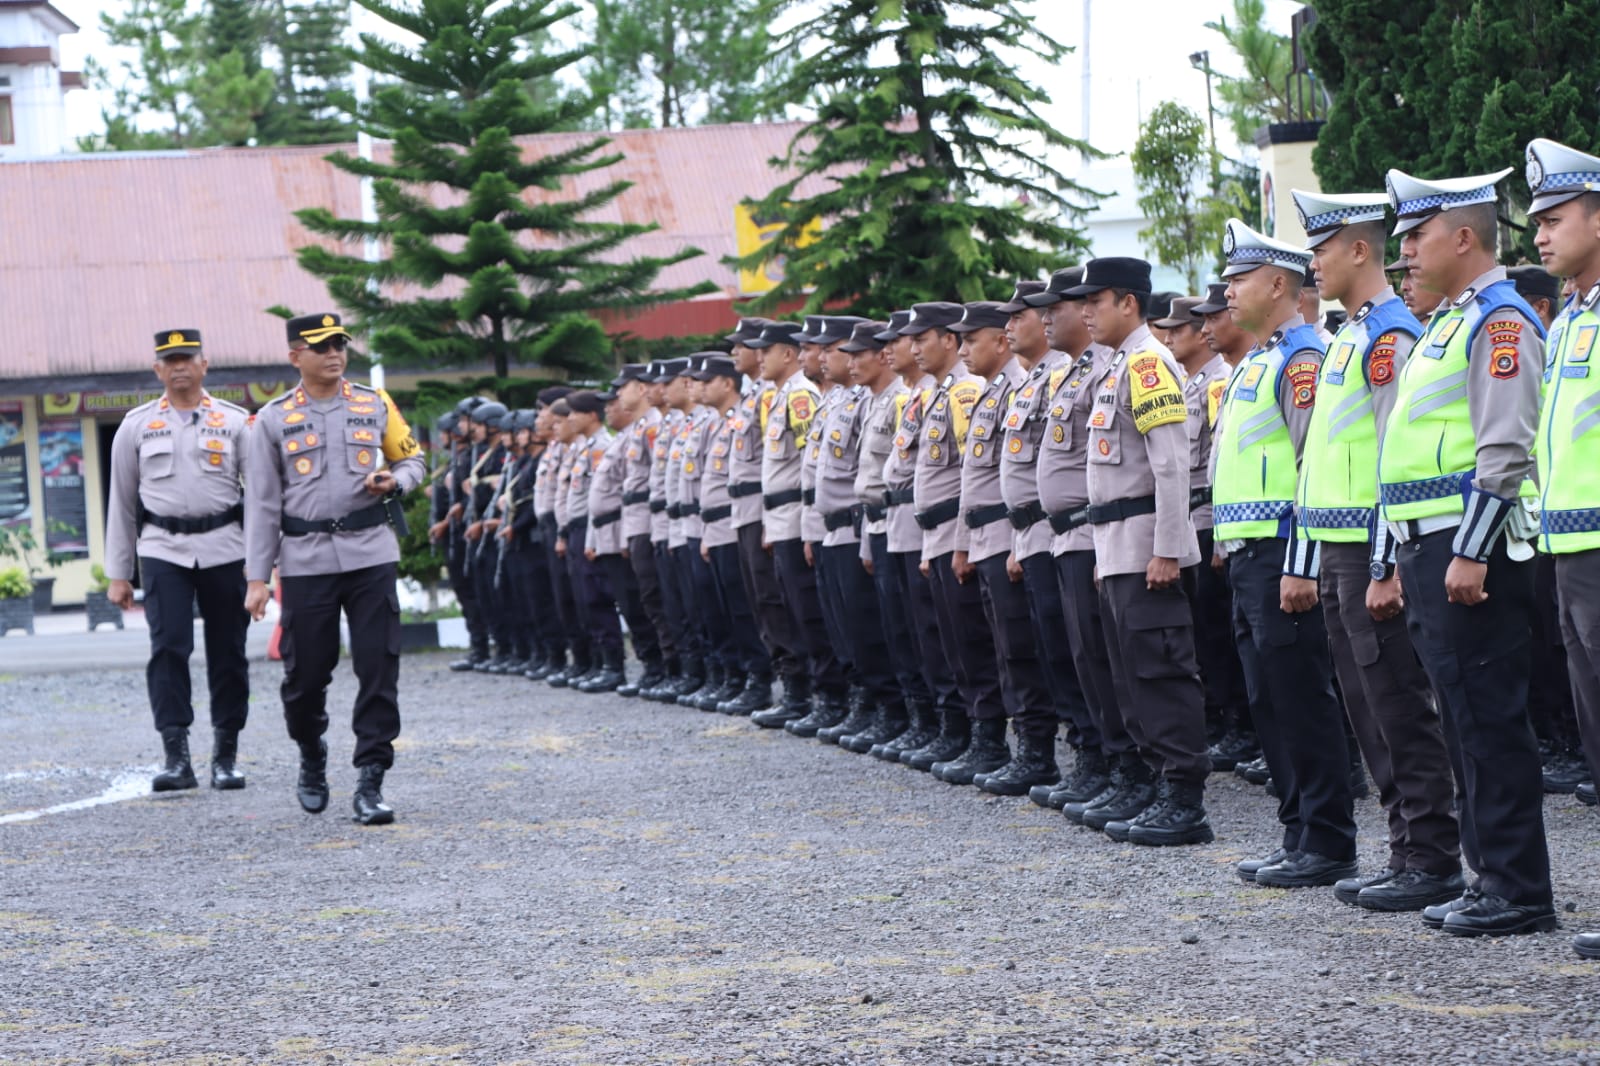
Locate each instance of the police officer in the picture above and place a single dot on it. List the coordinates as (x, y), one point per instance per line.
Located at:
(175, 508)
(707, 608)
(547, 426)
(1456, 457)
(319, 505)
(483, 551)
(585, 661)
(672, 400)
(463, 458)
(597, 611)
(635, 388)
(1145, 553)
(1386, 693)
(1564, 209)
(526, 580)
(1273, 566)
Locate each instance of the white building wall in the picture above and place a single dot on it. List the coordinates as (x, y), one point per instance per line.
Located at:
(38, 111)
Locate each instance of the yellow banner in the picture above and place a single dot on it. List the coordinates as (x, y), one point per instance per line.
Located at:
(750, 233)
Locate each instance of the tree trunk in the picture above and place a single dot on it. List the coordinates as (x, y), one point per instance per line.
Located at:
(502, 359)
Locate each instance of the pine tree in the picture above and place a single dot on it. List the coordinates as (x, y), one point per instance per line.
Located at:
(932, 153)
(314, 93)
(504, 265)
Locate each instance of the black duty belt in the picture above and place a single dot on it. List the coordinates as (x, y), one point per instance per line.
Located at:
(1026, 516)
(1066, 521)
(657, 506)
(575, 525)
(388, 511)
(1117, 510)
(202, 524)
(939, 514)
(738, 490)
(682, 510)
(978, 517)
(808, 497)
(840, 519)
(717, 513)
(601, 521)
(896, 497)
(629, 499)
(772, 500)
(875, 514)
(1199, 497)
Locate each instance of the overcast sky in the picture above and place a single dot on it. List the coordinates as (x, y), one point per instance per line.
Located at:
(1138, 53)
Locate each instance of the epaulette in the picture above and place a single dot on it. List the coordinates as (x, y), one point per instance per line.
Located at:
(230, 405)
(363, 385)
(282, 398)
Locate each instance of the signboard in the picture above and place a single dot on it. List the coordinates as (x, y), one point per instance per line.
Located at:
(750, 233)
(101, 402)
(13, 465)
(66, 508)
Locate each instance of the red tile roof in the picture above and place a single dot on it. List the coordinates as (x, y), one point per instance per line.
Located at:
(97, 252)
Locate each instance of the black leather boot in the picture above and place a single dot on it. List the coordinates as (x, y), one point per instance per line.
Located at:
(862, 711)
(178, 773)
(1033, 764)
(652, 676)
(795, 704)
(1231, 749)
(1177, 817)
(224, 752)
(494, 664)
(1090, 776)
(312, 788)
(923, 727)
(611, 675)
(1127, 802)
(827, 710)
(732, 684)
(368, 800)
(693, 680)
(955, 733)
(755, 696)
(555, 661)
(574, 672)
(985, 752)
(888, 723)
(476, 654)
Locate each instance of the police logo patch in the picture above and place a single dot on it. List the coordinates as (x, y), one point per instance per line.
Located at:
(991, 402)
(1503, 363)
(1099, 420)
(977, 450)
(1380, 368)
(311, 440)
(1027, 393)
(1013, 420)
(838, 452)
(1016, 444)
(156, 423)
(302, 465)
(980, 430)
(214, 445)
(293, 446)
(1057, 411)
(933, 432)
(214, 459)
(1303, 381)
(1058, 434)
(1150, 380)
(933, 452)
(364, 457)
(1104, 446)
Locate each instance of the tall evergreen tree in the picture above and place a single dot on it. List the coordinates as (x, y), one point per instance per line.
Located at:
(505, 264)
(314, 93)
(932, 153)
(1267, 91)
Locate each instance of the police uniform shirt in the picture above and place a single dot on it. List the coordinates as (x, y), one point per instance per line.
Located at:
(813, 530)
(839, 441)
(714, 487)
(1139, 446)
(900, 468)
(878, 423)
(980, 468)
(661, 460)
(1023, 428)
(787, 423)
(944, 436)
(692, 476)
(546, 476)
(748, 448)
(605, 496)
(563, 503)
(1202, 397)
(639, 444)
(310, 458)
(589, 451)
(1063, 467)
(177, 464)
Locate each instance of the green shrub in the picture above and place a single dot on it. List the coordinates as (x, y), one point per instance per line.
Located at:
(15, 583)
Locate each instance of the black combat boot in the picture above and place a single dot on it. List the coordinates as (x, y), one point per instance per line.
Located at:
(574, 672)
(224, 752)
(612, 674)
(368, 800)
(733, 683)
(1177, 817)
(756, 695)
(955, 733)
(478, 653)
(1127, 802)
(553, 662)
(1233, 748)
(985, 752)
(1089, 777)
(1255, 771)
(829, 708)
(796, 704)
(494, 664)
(862, 711)
(671, 674)
(692, 681)
(312, 788)
(652, 676)
(923, 727)
(888, 723)
(1033, 764)
(178, 773)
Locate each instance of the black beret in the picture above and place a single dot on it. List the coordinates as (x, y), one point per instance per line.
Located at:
(586, 403)
(1535, 282)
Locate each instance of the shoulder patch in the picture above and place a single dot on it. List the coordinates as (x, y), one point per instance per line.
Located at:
(1302, 376)
(1214, 393)
(801, 407)
(1503, 362)
(1380, 367)
(1155, 395)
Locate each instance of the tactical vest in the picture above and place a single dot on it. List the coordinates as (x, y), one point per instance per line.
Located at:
(1430, 452)
(1256, 474)
(1568, 449)
(1338, 475)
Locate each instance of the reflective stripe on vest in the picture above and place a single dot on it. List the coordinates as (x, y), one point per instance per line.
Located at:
(1339, 470)
(1568, 449)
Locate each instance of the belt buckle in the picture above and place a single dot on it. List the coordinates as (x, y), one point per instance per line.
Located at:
(336, 525)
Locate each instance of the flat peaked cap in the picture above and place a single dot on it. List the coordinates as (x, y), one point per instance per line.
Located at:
(1416, 200)
(1246, 250)
(1557, 173)
(1322, 215)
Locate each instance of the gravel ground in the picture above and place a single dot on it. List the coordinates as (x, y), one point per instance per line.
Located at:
(585, 879)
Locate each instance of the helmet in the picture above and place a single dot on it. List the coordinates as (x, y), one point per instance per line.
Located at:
(466, 406)
(446, 423)
(523, 419)
(489, 413)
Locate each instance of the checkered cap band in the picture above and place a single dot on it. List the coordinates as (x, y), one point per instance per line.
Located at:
(1572, 179)
(1443, 201)
(1343, 217)
(1583, 520)
(1270, 257)
(1261, 511)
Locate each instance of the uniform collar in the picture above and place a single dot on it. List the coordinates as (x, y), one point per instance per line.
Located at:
(1482, 281)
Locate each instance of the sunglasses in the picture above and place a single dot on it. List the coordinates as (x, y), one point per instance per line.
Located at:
(332, 344)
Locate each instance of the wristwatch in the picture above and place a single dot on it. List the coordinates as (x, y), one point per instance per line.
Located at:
(1380, 571)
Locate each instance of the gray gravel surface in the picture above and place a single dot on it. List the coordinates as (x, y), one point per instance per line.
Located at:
(585, 879)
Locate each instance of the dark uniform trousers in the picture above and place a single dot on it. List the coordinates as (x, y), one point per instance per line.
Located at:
(310, 648)
(746, 653)
(894, 605)
(642, 560)
(965, 640)
(1298, 717)
(922, 620)
(170, 594)
(1022, 684)
(1091, 659)
(577, 638)
(597, 610)
(680, 595)
(1055, 651)
(516, 596)
(465, 591)
(1578, 578)
(848, 587)
(716, 628)
(685, 640)
(1150, 640)
(1390, 705)
(485, 551)
(797, 582)
(1478, 660)
(1227, 699)
(624, 584)
(1550, 693)
(527, 580)
(759, 575)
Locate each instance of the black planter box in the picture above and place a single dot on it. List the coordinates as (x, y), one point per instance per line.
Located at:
(16, 614)
(419, 636)
(101, 610)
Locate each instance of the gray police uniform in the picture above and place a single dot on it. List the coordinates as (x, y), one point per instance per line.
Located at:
(606, 511)
(639, 456)
(757, 571)
(747, 656)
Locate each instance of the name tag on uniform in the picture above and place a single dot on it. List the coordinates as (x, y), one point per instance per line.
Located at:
(1436, 346)
(1336, 365)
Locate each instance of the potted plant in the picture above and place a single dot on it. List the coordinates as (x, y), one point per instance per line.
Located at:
(96, 602)
(18, 542)
(16, 600)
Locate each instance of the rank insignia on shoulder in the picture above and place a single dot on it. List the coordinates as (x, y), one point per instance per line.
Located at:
(1465, 298)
